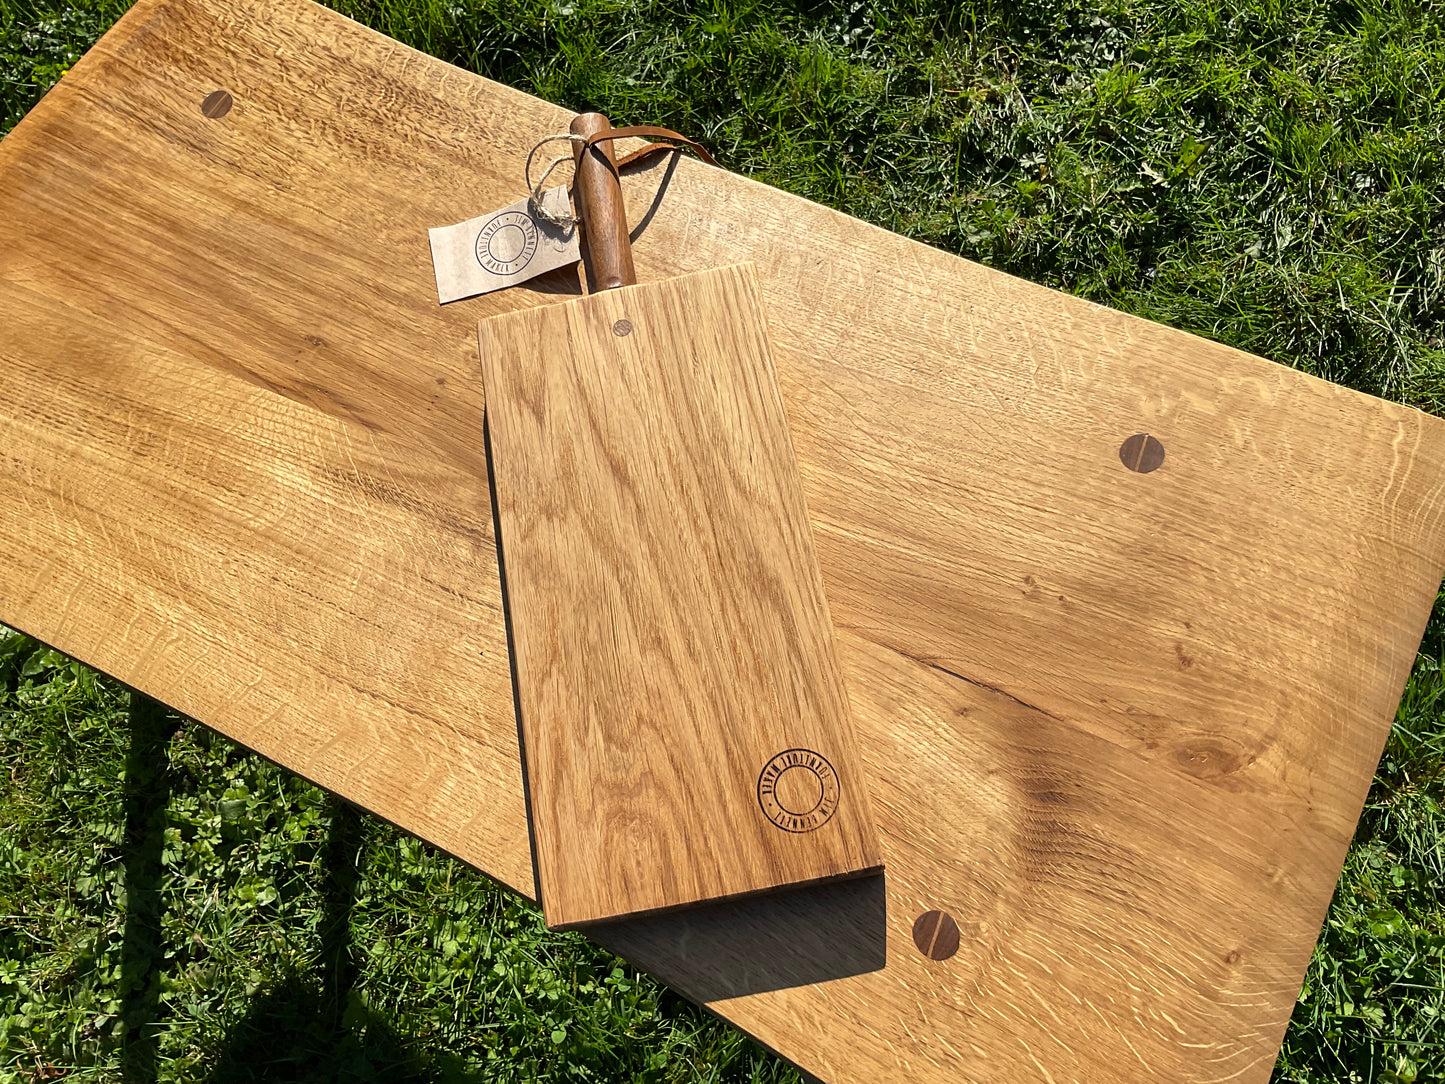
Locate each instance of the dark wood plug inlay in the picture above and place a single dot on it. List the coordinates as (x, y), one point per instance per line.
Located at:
(1141, 453)
(936, 935)
(217, 104)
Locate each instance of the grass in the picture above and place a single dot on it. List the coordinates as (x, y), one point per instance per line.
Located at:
(154, 874)
(1262, 173)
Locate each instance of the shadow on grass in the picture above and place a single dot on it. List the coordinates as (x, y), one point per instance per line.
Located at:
(313, 1028)
(147, 793)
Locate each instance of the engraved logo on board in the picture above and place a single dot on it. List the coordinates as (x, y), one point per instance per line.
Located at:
(507, 243)
(798, 790)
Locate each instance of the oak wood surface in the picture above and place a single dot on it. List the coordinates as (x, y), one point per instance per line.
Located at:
(683, 718)
(1118, 725)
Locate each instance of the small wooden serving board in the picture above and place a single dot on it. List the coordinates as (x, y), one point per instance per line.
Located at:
(684, 722)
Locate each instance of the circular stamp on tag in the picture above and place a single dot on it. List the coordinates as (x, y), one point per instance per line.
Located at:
(798, 790)
(507, 243)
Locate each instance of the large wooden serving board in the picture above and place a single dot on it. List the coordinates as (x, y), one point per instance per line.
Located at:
(1118, 724)
(683, 718)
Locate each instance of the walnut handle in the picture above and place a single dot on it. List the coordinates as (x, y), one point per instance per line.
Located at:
(599, 203)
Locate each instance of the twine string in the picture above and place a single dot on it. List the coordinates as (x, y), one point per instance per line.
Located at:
(563, 221)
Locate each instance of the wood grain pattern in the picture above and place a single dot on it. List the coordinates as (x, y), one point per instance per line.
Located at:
(1118, 725)
(683, 719)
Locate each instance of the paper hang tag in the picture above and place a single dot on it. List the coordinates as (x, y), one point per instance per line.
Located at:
(502, 249)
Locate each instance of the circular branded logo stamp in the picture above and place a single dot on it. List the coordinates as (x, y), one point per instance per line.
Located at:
(507, 243)
(798, 790)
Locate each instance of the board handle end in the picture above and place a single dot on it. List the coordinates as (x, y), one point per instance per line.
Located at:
(600, 206)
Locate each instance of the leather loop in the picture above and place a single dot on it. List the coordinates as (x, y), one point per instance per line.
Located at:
(676, 143)
(675, 146)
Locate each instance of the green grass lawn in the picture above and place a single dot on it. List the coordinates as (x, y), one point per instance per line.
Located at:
(1266, 174)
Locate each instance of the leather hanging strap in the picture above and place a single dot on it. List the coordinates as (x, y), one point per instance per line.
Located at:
(676, 142)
